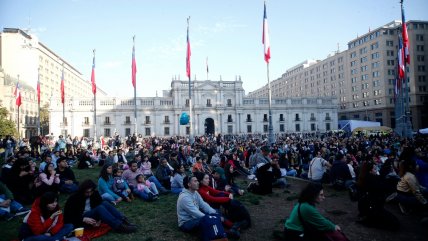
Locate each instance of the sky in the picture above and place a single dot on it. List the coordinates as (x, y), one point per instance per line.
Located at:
(226, 32)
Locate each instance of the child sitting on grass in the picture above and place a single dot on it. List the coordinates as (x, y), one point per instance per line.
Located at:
(149, 190)
(120, 186)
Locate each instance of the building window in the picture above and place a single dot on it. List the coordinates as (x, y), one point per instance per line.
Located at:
(265, 128)
(327, 126)
(166, 131)
(265, 118)
(327, 116)
(313, 127)
(166, 119)
(312, 117)
(249, 127)
(281, 128)
(249, 118)
(187, 102)
(86, 132)
(147, 131)
(229, 129)
(297, 127)
(420, 58)
(107, 132)
(419, 48)
(419, 37)
(86, 120)
(229, 118)
(147, 120)
(209, 103)
(297, 117)
(229, 102)
(127, 120)
(281, 117)
(107, 120)
(127, 131)
(187, 130)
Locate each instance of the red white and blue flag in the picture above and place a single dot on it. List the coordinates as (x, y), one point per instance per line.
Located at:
(400, 67)
(405, 37)
(265, 39)
(17, 94)
(134, 65)
(188, 53)
(62, 87)
(94, 85)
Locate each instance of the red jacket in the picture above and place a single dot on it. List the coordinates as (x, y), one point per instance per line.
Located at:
(39, 225)
(209, 195)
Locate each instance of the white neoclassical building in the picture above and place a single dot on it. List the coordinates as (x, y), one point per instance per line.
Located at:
(218, 107)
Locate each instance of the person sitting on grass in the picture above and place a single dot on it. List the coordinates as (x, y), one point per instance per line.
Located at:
(120, 187)
(45, 222)
(105, 185)
(146, 190)
(164, 173)
(306, 222)
(68, 183)
(177, 181)
(131, 174)
(8, 205)
(85, 208)
(47, 181)
(191, 208)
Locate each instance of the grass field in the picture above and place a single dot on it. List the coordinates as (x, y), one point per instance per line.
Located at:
(156, 220)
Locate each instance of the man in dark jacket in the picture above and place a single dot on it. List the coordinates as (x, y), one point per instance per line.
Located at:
(86, 208)
(340, 174)
(68, 183)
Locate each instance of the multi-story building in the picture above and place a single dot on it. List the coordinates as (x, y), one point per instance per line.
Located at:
(218, 107)
(363, 76)
(23, 57)
(22, 54)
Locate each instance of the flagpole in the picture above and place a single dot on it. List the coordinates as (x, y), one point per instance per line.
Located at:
(207, 69)
(135, 91)
(190, 88)
(63, 100)
(95, 99)
(19, 133)
(38, 101)
(271, 137)
(406, 121)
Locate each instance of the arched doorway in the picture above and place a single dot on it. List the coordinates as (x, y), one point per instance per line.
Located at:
(209, 126)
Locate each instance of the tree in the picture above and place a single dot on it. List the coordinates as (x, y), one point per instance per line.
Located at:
(44, 119)
(7, 127)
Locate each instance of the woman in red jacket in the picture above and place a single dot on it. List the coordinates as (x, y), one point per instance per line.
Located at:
(45, 220)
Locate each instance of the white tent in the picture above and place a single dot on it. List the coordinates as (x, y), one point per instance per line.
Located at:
(423, 131)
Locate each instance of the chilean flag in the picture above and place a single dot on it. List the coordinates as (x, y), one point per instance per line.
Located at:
(134, 65)
(17, 95)
(400, 66)
(62, 87)
(188, 54)
(94, 85)
(38, 90)
(405, 37)
(265, 39)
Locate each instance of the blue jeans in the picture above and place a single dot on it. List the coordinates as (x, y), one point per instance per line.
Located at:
(107, 213)
(156, 182)
(108, 197)
(190, 225)
(176, 190)
(14, 205)
(144, 194)
(65, 230)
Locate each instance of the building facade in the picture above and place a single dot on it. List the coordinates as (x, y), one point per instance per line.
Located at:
(218, 107)
(23, 58)
(363, 76)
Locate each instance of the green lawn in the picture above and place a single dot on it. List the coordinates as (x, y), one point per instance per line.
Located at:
(156, 220)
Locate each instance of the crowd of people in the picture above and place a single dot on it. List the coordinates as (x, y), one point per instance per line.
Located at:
(374, 169)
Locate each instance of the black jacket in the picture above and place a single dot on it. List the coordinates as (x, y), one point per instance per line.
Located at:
(75, 206)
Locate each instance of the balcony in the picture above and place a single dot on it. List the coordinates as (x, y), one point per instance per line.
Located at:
(147, 122)
(166, 122)
(249, 120)
(229, 120)
(312, 119)
(229, 105)
(281, 119)
(209, 105)
(127, 123)
(265, 120)
(107, 123)
(297, 119)
(85, 123)
(328, 118)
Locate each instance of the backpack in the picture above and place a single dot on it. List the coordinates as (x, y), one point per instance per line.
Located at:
(211, 228)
